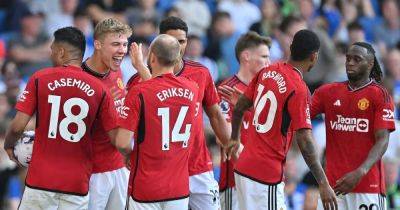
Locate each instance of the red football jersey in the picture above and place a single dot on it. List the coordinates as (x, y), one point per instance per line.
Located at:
(281, 106)
(199, 160)
(351, 119)
(106, 156)
(66, 102)
(161, 113)
(226, 173)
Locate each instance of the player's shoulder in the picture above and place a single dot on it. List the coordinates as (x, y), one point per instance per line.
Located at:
(331, 86)
(379, 90)
(196, 67)
(230, 81)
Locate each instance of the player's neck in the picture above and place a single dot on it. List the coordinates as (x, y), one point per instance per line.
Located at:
(178, 67)
(245, 75)
(300, 66)
(355, 84)
(162, 70)
(95, 63)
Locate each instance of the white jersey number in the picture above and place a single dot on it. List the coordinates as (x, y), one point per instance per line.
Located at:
(69, 118)
(174, 136)
(259, 105)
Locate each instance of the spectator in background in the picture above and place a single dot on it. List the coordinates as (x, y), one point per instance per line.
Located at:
(387, 34)
(196, 14)
(30, 48)
(288, 27)
(145, 10)
(391, 167)
(65, 17)
(194, 52)
(392, 68)
(307, 12)
(221, 45)
(101, 9)
(270, 18)
(355, 33)
(330, 11)
(83, 23)
(242, 12)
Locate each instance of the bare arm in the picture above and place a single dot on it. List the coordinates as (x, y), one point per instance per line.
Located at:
(38, 54)
(14, 132)
(377, 151)
(218, 123)
(306, 144)
(136, 55)
(241, 106)
(122, 141)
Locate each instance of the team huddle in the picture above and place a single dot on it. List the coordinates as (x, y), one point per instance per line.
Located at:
(102, 145)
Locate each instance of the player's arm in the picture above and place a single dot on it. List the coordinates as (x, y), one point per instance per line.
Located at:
(137, 61)
(242, 105)
(123, 141)
(218, 123)
(306, 144)
(14, 132)
(349, 181)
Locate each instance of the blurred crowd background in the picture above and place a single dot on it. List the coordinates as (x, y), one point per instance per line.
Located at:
(26, 28)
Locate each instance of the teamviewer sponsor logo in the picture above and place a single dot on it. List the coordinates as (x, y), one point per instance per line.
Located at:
(349, 124)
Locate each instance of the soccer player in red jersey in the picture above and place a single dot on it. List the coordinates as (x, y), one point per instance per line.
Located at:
(161, 115)
(109, 181)
(66, 102)
(252, 53)
(281, 111)
(359, 116)
(203, 187)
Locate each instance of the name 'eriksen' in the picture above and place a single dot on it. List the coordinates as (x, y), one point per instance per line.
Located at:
(71, 82)
(175, 92)
(280, 81)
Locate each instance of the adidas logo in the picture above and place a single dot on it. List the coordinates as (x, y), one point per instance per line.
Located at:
(337, 103)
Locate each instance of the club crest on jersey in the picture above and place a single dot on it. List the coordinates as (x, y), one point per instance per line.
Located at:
(363, 104)
(120, 83)
(349, 124)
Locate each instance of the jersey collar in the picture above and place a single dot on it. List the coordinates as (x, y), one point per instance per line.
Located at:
(183, 67)
(296, 69)
(359, 88)
(92, 72)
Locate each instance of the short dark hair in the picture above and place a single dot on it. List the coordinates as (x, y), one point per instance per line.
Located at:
(250, 40)
(288, 22)
(305, 43)
(354, 26)
(172, 23)
(73, 37)
(220, 15)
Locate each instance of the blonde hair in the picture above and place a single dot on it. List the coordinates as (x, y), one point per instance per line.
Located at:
(111, 25)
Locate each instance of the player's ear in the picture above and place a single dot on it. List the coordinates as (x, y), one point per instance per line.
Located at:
(61, 53)
(97, 44)
(245, 55)
(314, 57)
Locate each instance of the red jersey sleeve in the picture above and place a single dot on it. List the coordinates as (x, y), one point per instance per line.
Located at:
(108, 114)
(316, 104)
(210, 93)
(384, 113)
(27, 101)
(299, 109)
(132, 108)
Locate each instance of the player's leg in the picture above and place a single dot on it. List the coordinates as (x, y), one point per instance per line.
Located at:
(341, 201)
(254, 195)
(228, 199)
(100, 186)
(366, 201)
(34, 199)
(204, 192)
(133, 205)
(73, 202)
(117, 198)
(181, 204)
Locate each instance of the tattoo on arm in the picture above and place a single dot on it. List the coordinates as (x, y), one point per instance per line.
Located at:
(241, 106)
(305, 141)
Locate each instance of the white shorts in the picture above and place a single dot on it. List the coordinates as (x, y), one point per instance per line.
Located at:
(34, 199)
(181, 204)
(108, 190)
(359, 201)
(204, 192)
(228, 199)
(254, 195)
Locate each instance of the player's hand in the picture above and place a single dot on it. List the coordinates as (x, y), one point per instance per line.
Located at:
(11, 155)
(231, 148)
(328, 197)
(229, 94)
(136, 55)
(348, 182)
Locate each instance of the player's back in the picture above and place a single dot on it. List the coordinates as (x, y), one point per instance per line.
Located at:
(159, 161)
(275, 92)
(67, 103)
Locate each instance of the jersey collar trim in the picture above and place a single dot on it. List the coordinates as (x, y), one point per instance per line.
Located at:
(183, 68)
(92, 72)
(359, 88)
